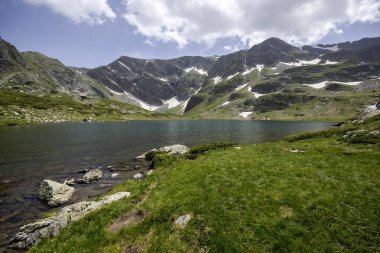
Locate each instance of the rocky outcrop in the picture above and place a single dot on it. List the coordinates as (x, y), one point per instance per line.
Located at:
(55, 193)
(33, 233)
(171, 150)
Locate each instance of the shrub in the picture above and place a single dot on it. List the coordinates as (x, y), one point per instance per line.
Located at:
(162, 160)
(151, 154)
(364, 137)
(202, 149)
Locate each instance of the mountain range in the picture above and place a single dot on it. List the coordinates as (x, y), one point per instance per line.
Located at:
(272, 79)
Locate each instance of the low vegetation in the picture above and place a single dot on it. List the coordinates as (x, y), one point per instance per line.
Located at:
(21, 108)
(314, 192)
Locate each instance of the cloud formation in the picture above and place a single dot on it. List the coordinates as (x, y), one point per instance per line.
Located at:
(94, 12)
(296, 21)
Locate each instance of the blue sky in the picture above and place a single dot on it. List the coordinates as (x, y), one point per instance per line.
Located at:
(90, 33)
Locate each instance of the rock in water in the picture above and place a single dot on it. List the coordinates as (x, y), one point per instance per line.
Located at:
(92, 175)
(114, 175)
(55, 193)
(33, 233)
(69, 182)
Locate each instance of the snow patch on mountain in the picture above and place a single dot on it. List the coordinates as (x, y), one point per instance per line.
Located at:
(125, 66)
(245, 114)
(317, 85)
(172, 102)
(241, 87)
(217, 79)
(331, 62)
(323, 84)
(311, 62)
(257, 95)
(200, 71)
(133, 100)
(162, 79)
(231, 76)
(226, 103)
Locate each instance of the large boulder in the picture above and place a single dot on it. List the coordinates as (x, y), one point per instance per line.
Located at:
(172, 150)
(92, 175)
(55, 193)
(33, 233)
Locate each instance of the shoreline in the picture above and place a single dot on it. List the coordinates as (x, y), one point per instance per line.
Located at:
(32, 209)
(168, 119)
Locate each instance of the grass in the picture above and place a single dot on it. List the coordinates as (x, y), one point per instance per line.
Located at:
(21, 108)
(260, 198)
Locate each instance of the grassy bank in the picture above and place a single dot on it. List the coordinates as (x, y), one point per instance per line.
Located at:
(311, 193)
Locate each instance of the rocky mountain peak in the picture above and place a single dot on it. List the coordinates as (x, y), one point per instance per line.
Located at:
(271, 51)
(10, 57)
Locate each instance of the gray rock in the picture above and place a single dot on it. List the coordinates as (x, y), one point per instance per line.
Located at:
(350, 134)
(150, 172)
(92, 175)
(33, 233)
(138, 176)
(113, 175)
(69, 182)
(83, 171)
(182, 220)
(294, 150)
(172, 150)
(55, 193)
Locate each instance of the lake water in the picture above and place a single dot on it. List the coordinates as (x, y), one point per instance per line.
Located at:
(29, 154)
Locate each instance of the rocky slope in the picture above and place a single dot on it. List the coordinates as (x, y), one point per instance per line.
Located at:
(153, 83)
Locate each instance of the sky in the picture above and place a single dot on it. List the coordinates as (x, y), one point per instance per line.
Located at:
(91, 33)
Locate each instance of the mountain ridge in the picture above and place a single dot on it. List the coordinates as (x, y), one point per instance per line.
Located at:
(179, 84)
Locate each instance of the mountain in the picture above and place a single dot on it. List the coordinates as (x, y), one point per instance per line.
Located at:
(153, 81)
(354, 45)
(35, 73)
(272, 79)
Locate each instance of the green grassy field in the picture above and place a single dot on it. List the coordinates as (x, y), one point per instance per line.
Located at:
(260, 198)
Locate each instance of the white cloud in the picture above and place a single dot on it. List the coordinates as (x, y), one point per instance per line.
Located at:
(88, 11)
(297, 21)
(232, 48)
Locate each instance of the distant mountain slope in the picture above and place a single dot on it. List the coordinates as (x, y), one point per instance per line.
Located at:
(35, 73)
(154, 81)
(276, 80)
